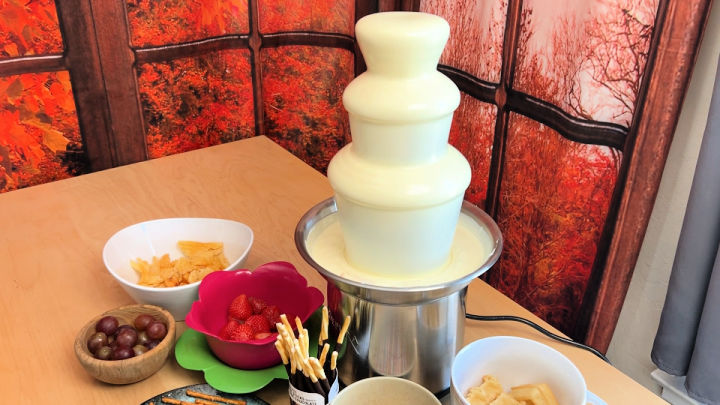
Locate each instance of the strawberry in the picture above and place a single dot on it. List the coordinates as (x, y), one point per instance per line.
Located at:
(243, 333)
(228, 329)
(240, 308)
(272, 314)
(258, 304)
(259, 323)
(262, 335)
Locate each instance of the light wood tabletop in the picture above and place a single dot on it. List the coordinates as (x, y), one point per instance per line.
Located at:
(52, 277)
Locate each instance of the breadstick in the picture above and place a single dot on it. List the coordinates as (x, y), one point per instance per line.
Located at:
(333, 360)
(283, 343)
(293, 360)
(174, 401)
(206, 402)
(300, 344)
(281, 350)
(310, 370)
(343, 330)
(285, 322)
(324, 325)
(322, 377)
(279, 347)
(324, 352)
(306, 342)
(287, 338)
(317, 368)
(216, 398)
(298, 356)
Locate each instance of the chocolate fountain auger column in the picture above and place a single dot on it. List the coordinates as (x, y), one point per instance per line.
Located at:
(397, 244)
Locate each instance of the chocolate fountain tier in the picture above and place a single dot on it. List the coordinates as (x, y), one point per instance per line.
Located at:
(477, 233)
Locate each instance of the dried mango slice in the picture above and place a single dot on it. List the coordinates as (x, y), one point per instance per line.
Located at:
(199, 259)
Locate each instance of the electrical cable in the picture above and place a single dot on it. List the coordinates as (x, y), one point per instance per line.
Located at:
(539, 329)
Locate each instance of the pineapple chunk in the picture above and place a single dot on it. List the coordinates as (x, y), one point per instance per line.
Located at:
(505, 399)
(486, 392)
(534, 394)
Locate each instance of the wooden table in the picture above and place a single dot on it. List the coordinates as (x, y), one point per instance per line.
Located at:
(53, 279)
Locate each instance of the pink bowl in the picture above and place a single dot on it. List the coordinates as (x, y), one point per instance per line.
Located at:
(277, 283)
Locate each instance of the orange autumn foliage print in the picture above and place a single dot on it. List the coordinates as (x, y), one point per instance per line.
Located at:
(164, 22)
(191, 103)
(551, 216)
(472, 132)
(29, 28)
(336, 16)
(39, 134)
(302, 93)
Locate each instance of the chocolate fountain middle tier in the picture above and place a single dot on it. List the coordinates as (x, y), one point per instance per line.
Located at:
(398, 220)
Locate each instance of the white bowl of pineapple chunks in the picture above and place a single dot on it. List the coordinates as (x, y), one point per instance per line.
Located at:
(508, 370)
(161, 262)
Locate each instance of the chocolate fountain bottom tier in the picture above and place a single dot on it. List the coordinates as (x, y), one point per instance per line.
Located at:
(476, 248)
(415, 342)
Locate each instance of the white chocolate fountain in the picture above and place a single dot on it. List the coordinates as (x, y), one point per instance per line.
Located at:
(399, 185)
(397, 244)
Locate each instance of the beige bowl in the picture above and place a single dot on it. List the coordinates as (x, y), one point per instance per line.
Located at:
(133, 369)
(385, 390)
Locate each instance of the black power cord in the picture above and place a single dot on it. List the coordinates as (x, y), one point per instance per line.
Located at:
(539, 329)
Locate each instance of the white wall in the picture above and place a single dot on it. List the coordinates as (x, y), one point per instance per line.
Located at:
(632, 342)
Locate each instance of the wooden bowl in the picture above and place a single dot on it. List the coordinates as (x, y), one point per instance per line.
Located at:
(133, 369)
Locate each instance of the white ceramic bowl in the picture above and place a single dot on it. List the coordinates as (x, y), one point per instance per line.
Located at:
(157, 237)
(516, 361)
(385, 390)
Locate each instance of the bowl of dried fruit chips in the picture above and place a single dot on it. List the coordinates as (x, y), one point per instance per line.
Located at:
(161, 262)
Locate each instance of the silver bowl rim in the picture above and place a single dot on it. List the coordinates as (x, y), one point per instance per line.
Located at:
(328, 207)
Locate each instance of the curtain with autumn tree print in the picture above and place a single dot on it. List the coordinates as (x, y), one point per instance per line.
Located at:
(549, 191)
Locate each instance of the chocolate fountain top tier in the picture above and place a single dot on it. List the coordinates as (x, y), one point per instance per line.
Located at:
(401, 84)
(402, 43)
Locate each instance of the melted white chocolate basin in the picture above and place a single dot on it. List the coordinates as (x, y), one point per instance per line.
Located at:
(471, 248)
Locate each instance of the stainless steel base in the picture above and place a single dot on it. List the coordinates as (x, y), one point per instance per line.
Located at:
(416, 342)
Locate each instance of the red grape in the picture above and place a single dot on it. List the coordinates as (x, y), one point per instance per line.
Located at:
(121, 328)
(126, 337)
(156, 330)
(107, 325)
(139, 349)
(96, 341)
(143, 338)
(104, 353)
(122, 353)
(142, 321)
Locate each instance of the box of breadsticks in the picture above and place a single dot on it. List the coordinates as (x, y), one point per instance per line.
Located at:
(313, 380)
